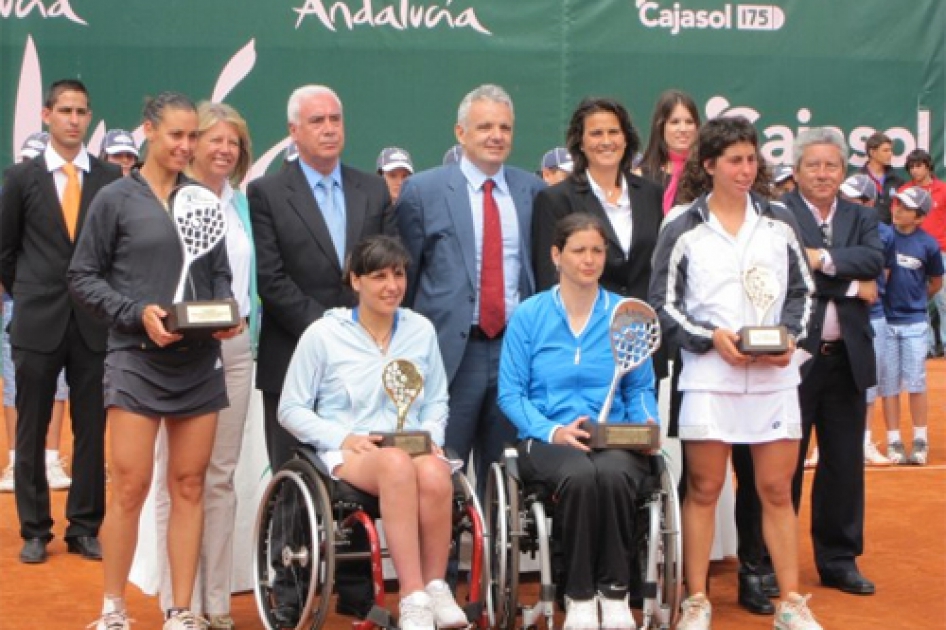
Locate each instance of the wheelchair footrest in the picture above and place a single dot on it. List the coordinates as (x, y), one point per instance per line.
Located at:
(381, 617)
(473, 611)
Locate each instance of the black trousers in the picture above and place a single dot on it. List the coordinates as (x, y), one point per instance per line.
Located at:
(595, 497)
(753, 556)
(832, 405)
(280, 444)
(36, 376)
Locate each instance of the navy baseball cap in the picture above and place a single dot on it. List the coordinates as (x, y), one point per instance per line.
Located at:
(558, 158)
(916, 198)
(859, 186)
(781, 173)
(394, 158)
(34, 144)
(119, 141)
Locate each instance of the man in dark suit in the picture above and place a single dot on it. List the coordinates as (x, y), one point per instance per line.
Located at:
(845, 252)
(467, 227)
(305, 218)
(44, 203)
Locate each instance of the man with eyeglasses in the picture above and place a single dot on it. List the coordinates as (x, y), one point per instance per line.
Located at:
(846, 254)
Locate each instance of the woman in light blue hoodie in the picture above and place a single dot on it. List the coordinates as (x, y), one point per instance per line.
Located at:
(333, 399)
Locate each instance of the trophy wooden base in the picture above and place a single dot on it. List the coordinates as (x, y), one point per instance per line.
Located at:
(201, 318)
(414, 442)
(630, 437)
(756, 340)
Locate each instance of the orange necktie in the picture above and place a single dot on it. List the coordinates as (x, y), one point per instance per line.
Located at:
(70, 198)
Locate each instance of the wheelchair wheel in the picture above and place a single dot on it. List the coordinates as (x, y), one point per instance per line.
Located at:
(671, 569)
(294, 554)
(468, 536)
(503, 523)
(659, 554)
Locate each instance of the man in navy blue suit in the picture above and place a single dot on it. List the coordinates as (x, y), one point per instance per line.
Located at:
(467, 226)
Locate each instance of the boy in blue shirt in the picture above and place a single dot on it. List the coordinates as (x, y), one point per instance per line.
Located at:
(915, 276)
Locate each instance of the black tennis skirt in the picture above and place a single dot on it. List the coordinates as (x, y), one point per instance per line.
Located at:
(166, 383)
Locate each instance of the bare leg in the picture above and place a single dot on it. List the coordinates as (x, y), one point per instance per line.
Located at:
(435, 490)
(190, 442)
(919, 409)
(892, 412)
(131, 448)
(774, 464)
(706, 473)
(389, 474)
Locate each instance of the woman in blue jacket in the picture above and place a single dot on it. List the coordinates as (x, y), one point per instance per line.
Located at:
(555, 372)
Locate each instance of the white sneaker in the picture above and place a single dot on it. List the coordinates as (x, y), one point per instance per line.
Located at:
(6, 481)
(581, 614)
(114, 620)
(896, 453)
(697, 613)
(615, 614)
(447, 614)
(56, 475)
(873, 457)
(812, 461)
(220, 622)
(921, 452)
(794, 614)
(416, 612)
(184, 620)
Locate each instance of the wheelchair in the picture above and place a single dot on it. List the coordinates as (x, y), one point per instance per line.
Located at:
(517, 522)
(304, 528)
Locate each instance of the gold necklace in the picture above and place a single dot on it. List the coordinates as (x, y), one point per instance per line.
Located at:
(383, 341)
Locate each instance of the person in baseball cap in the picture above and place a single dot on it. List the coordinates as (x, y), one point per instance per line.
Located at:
(860, 188)
(395, 165)
(915, 198)
(118, 147)
(557, 164)
(34, 145)
(783, 179)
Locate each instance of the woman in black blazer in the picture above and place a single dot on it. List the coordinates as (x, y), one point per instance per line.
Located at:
(602, 141)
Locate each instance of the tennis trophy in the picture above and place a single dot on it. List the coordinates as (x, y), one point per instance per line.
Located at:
(403, 384)
(635, 336)
(200, 224)
(762, 289)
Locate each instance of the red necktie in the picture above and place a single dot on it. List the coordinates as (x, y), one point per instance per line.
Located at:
(492, 293)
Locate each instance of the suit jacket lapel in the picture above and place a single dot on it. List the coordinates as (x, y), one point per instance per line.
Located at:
(458, 206)
(843, 223)
(641, 221)
(302, 200)
(522, 198)
(589, 203)
(47, 184)
(810, 229)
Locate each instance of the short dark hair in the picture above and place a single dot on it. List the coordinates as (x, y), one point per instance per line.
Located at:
(576, 129)
(576, 222)
(876, 140)
(64, 85)
(919, 156)
(373, 253)
(715, 137)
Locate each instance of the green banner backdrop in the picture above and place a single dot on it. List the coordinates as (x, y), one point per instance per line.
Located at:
(402, 66)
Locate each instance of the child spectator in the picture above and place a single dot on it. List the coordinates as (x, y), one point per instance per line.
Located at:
(915, 276)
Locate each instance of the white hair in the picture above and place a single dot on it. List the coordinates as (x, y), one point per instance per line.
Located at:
(819, 135)
(304, 92)
(488, 92)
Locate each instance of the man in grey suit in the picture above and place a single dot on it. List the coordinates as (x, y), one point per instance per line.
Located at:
(305, 218)
(467, 226)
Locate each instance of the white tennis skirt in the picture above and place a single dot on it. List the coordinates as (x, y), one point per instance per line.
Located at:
(740, 418)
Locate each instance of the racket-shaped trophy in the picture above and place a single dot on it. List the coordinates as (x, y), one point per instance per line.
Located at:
(201, 224)
(635, 336)
(403, 383)
(762, 289)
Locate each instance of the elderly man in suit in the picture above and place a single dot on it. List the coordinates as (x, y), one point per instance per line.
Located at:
(305, 218)
(467, 226)
(845, 252)
(44, 204)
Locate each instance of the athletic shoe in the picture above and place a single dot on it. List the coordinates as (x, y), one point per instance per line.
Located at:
(56, 475)
(873, 457)
(921, 452)
(114, 620)
(220, 622)
(812, 461)
(615, 614)
(416, 612)
(696, 613)
(896, 453)
(184, 620)
(581, 614)
(794, 614)
(6, 481)
(446, 612)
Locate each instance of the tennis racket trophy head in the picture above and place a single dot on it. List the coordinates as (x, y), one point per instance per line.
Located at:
(200, 224)
(403, 383)
(762, 289)
(635, 336)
